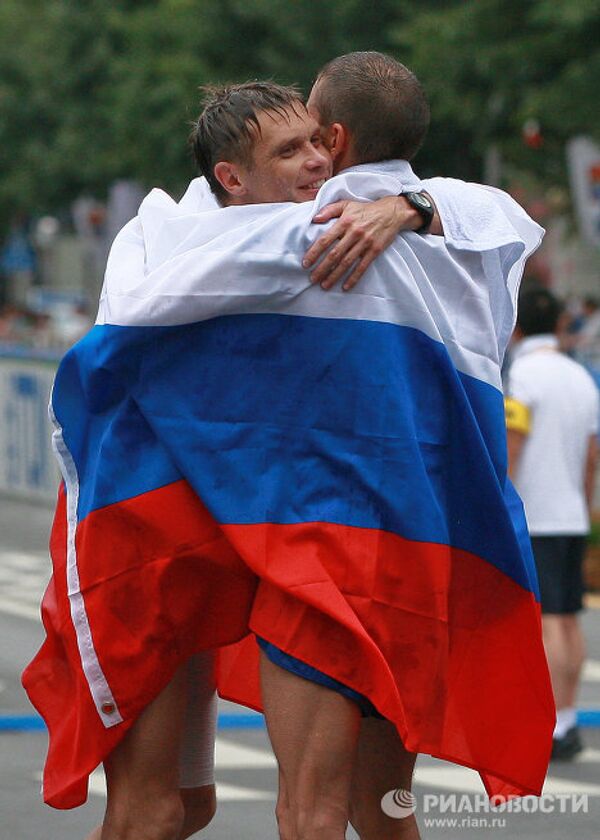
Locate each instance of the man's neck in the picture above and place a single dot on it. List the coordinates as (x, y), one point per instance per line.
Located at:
(344, 161)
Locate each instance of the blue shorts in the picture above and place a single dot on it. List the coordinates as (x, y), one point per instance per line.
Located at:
(307, 672)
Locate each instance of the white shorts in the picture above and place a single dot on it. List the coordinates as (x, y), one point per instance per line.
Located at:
(197, 754)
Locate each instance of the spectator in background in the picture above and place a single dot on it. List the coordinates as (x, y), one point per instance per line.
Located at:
(552, 419)
(70, 323)
(591, 316)
(17, 263)
(587, 347)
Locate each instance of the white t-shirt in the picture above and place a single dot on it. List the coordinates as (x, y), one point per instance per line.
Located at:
(560, 406)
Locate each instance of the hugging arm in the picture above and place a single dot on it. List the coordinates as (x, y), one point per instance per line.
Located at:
(364, 229)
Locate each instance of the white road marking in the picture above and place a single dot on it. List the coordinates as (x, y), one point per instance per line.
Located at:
(591, 671)
(19, 609)
(229, 754)
(448, 777)
(28, 584)
(23, 560)
(588, 756)
(97, 783)
(555, 784)
(233, 793)
(23, 579)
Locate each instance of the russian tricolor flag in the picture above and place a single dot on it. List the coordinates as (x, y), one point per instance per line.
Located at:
(244, 452)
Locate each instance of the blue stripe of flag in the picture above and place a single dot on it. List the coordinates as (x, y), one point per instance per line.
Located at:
(290, 419)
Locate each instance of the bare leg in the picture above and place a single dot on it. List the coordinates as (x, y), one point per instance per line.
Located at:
(382, 764)
(565, 651)
(576, 646)
(283, 811)
(195, 740)
(314, 733)
(200, 805)
(142, 773)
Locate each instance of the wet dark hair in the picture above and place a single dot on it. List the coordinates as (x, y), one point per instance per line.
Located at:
(538, 312)
(379, 100)
(228, 125)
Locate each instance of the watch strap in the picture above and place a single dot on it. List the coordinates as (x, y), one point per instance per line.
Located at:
(420, 202)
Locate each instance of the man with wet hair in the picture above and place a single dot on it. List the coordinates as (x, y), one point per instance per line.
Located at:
(255, 143)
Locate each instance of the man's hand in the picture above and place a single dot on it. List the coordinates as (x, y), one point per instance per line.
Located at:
(363, 231)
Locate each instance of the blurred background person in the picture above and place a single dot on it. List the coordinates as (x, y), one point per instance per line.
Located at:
(17, 264)
(587, 347)
(552, 412)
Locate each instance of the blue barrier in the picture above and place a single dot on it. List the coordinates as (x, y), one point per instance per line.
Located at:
(588, 717)
(21, 723)
(34, 723)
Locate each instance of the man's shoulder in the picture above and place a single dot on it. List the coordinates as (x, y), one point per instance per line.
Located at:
(556, 371)
(545, 360)
(368, 182)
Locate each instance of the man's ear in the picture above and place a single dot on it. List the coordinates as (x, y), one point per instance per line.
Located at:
(227, 174)
(337, 140)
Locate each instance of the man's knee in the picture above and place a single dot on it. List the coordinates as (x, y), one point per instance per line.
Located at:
(200, 806)
(316, 807)
(283, 811)
(284, 817)
(145, 818)
(323, 818)
(385, 829)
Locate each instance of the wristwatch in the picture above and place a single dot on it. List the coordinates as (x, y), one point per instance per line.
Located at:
(421, 202)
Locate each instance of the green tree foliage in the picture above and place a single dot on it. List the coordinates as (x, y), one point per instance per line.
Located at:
(491, 65)
(92, 91)
(55, 60)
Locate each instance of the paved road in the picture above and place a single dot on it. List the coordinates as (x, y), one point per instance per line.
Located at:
(245, 765)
